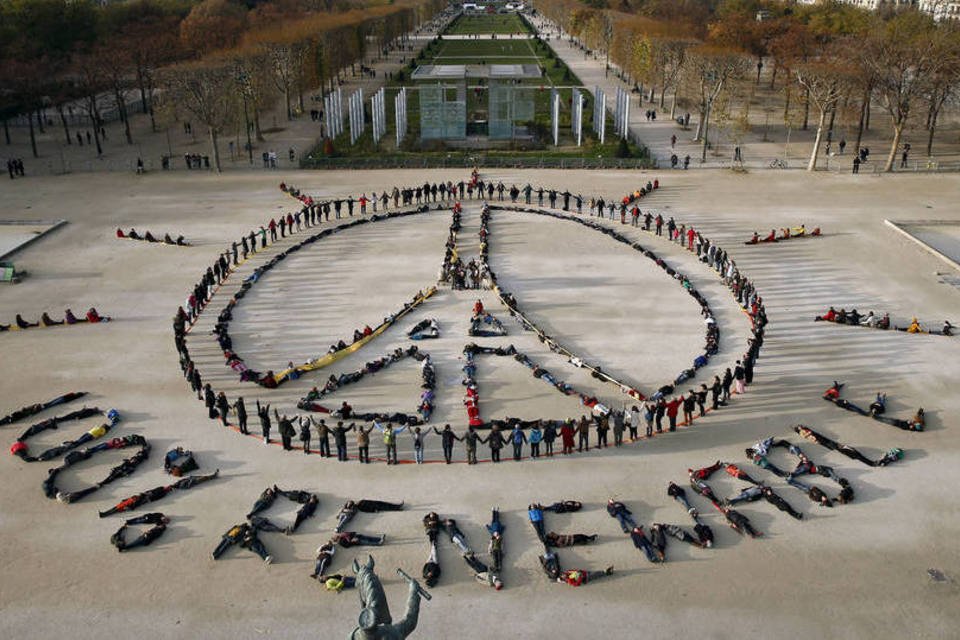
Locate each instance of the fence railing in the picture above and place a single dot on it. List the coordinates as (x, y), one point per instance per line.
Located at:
(429, 162)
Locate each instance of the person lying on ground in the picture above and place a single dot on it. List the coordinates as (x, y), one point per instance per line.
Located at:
(244, 535)
(431, 525)
(890, 456)
(431, 568)
(739, 522)
(679, 533)
(265, 501)
(306, 510)
(265, 524)
(47, 321)
(159, 522)
(351, 508)
(554, 539)
(739, 473)
(814, 493)
(680, 495)
(349, 539)
(338, 582)
(659, 541)
(456, 536)
(23, 324)
(565, 506)
(481, 571)
(622, 514)
(577, 577)
(325, 553)
(879, 406)
(550, 563)
(152, 495)
(93, 316)
(535, 514)
(641, 542)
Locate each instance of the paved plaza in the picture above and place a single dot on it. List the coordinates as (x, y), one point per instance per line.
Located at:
(858, 570)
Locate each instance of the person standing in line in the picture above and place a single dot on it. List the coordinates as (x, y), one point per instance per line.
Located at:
(323, 437)
(241, 410)
(634, 423)
(495, 441)
(447, 438)
(264, 414)
(223, 406)
(305, 434)
(583, 433)
(727, 382)
(340, 440)
(363, 444)
(738, 378)
(536, 436)
(418, 441)
(470, 439)
(518, 438)
(287, 431)
(549, 436)
(566, 436)
(390, 434)
(660, 411)
(672, 409)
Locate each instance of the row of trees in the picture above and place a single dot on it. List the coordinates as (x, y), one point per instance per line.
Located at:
(221, 63)
(824, 58)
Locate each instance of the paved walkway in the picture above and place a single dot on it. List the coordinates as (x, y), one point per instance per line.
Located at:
(280, 135)
(756, 151)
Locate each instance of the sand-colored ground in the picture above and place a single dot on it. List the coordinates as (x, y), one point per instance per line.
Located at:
(855, 571)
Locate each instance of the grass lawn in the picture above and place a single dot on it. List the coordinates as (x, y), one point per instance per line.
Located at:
(477, 50)
(494, 23)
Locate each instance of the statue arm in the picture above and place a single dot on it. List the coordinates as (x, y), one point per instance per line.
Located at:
(412, 615)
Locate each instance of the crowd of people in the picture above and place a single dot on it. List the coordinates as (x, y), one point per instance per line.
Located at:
(663, 403)
(247, 533)
(334, 383)
(870, 320)
(876, 410)
(125, 468)
(786, 233)
(146, 236)
(19, 324)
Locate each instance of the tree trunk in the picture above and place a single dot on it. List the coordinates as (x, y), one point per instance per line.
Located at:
(143, 92)
(40, 121)
(706, 130)
(892, 156)
(773, 75)
(812, 165)
(215, 149)
(122, 111)
(33, 137)
(673, 106)
(806, 109)
(863, 115)
(786, 104)
(95, 118)
(6, 130)
(256, 124)
(759, 68)
(286, 98)
(931, 128)
(867, 121)
(66, 127)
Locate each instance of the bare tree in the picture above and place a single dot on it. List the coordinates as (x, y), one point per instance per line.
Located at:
(712, 68)
(207, 91)
(825, 81)
(904, 54)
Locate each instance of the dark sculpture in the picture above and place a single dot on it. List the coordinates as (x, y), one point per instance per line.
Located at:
(375, 622)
